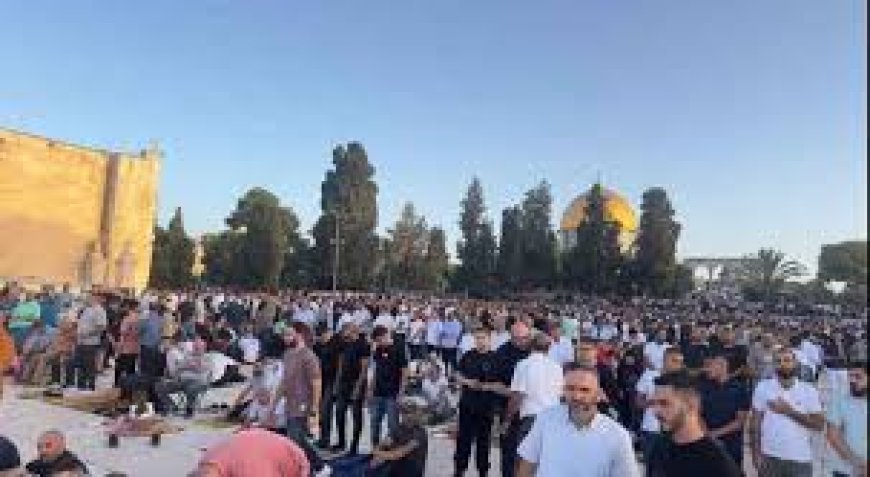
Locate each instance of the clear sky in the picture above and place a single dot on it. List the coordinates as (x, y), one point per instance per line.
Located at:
(751, 113)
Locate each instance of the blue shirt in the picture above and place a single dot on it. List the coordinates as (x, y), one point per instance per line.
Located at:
(849, 414)
(451, 331)
(151, 330)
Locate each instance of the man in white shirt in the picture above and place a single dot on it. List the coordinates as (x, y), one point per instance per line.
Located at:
(847, 425)
(305, 314)
(561, 349)
(536, 385)
(654, 351)
(786, 413)
(574, 438)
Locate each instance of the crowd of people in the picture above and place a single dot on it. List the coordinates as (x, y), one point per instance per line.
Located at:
(557, 386)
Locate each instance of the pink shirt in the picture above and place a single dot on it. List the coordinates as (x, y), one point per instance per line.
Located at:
(257, 453)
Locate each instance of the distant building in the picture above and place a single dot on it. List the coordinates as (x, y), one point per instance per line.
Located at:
(616, 209)
(75, 214)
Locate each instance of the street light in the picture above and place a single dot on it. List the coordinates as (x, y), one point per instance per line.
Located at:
(337, 243)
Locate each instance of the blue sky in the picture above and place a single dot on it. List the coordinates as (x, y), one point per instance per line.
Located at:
(751, 113)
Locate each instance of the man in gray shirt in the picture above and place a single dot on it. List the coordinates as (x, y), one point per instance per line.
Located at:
(89, 331)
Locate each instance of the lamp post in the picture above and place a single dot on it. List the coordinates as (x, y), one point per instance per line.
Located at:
(337, 243)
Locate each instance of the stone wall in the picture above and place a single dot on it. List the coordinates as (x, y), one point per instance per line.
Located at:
(73, 214)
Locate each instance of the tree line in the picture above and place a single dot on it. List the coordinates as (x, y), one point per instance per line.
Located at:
(263, 248)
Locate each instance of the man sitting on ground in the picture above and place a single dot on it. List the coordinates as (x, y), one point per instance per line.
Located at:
(54, 458)
(404, 453)
(191, 377)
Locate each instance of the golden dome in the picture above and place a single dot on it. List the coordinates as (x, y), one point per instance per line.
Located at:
(616, 209)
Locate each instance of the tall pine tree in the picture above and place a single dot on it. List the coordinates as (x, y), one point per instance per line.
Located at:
(655, 260)
(510, 248)
(538, 239)
(172, 255)
(437, 260)
(348, 199)
(477, 248)
(408, 242)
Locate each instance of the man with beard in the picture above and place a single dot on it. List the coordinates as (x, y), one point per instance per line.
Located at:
(506, 358)
(573, 438)
(475, 372)
(688, 451)
(354, 352)
(786, 413)
(300, 389)
(847, 424)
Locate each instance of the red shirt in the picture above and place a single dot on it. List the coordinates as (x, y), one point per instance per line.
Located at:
(257, 453)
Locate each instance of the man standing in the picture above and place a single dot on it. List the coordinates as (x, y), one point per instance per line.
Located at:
(650, 427)
(688, 451)
(388, 382)
(354, 353)
(536, 386)
(724, 407)
(506, 359)
(300, 388)
(696, 350)
(91, 325)
(847, 424)
(786, 413)
(476, 371)
(562, 348)
(574, 438)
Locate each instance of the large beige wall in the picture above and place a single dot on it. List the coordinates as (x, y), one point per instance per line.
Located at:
(51, 210)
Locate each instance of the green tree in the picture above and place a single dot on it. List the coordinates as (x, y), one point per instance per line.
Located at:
(477, 247)
(268, 233)
(437, 260)
(221, 258)
(655, 260)
(510, 248)
(172, 255)
(592, 265)
(408, 241)
(348, 199)
(766, 272)
(844, 262)
(537, 237)
(299, 266)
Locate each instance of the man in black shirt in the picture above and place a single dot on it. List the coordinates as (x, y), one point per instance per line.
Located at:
(506, 358)
(725, 403)
(688, 451)
(476, 370)
(737, 355)
(695, 351)
(387, 383)
(326, 347)
(353, 351)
